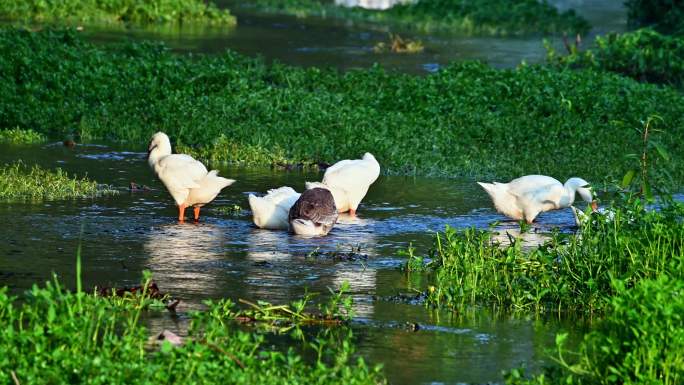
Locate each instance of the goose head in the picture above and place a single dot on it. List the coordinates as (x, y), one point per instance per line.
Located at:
(160, 145)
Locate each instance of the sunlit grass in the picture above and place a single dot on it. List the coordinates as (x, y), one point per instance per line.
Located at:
(468, 119)
(20, 136)
(57, 336)
(115, 11)
(569, 273)
(19, 182)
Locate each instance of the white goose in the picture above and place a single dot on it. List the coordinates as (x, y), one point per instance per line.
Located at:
(348, 181)
(271, 210)
(527, 196)
(187, 179)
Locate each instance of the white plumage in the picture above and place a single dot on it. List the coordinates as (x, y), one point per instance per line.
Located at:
(186, 179)
(527, 196)
(349, 180)
(271, 210)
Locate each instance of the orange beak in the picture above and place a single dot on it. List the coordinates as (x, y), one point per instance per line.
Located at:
(594, 205)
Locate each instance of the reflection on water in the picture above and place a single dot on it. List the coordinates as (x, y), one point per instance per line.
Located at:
(188, 256)
(371, 4)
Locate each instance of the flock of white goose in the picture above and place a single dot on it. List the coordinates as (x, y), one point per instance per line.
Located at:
(344, 185)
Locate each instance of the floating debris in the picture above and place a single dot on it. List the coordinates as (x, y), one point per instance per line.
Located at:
(397, 44)
(166, 335)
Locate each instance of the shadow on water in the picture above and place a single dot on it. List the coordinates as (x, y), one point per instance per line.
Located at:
(225, 256)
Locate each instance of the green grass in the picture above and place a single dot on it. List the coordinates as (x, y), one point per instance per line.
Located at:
(115, 11)
(482, 17)
(19, 182)
(19, 136)
(466, 120)
(59, 337)
(645, 55)
(568, 274)
(640, 341)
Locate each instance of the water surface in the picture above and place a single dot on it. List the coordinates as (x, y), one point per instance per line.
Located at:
(225, 256)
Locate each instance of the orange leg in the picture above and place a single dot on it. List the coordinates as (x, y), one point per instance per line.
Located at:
(181, 213)
(196, 210)
(352, 212)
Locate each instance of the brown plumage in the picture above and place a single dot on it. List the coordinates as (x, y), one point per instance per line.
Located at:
(314, 213)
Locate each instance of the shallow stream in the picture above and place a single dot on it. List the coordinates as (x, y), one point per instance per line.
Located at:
(225, 256)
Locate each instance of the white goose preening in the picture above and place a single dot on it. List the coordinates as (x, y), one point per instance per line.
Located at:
(187, 179)
(349, 180)
(314, 213)
(527, 196)
(271, 211)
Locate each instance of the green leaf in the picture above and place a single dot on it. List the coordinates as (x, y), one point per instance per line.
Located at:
(628, 178)
(661, 151)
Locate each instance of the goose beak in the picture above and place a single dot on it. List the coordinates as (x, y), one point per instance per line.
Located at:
(594, 205)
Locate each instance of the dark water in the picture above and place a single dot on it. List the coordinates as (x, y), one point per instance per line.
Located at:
(226, 256)
(340, 44)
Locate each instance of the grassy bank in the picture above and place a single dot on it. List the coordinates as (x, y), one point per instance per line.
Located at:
(19, 136)
(19, 182)
(56, 336)
(645, 55)
(115, 11)
(467, 119)
(567, 274)
(640, 341)
(484, 17)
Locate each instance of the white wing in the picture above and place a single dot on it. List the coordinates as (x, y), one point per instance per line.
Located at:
(179, 171)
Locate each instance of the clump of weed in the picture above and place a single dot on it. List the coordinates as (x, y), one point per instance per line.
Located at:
(57, 336)
(640, 341)
(19, 182)
(20, 136)
(397, 44)
(568, 273)
(645, 55)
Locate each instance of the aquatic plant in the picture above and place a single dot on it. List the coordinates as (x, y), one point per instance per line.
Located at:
(19, 136)
(645, 55)
(397, 44)
(467, 119)
(640, 341)
(665, 16)
(114, 11)
(19, 182)
(57, 336)
(567, 274)
(485, 17)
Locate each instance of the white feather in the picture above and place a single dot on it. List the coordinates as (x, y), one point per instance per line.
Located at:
(187, 179)
(271, 210)
(527, 196)
(349, 180)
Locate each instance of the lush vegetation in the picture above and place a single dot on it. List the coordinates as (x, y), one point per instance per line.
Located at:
(114, 11)
(60, 337)
(467, 119)
(490, 17)
(645, 55)
(640, 341)
(568, 273)
(18, 182)
(666, 16)
(19, 136)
